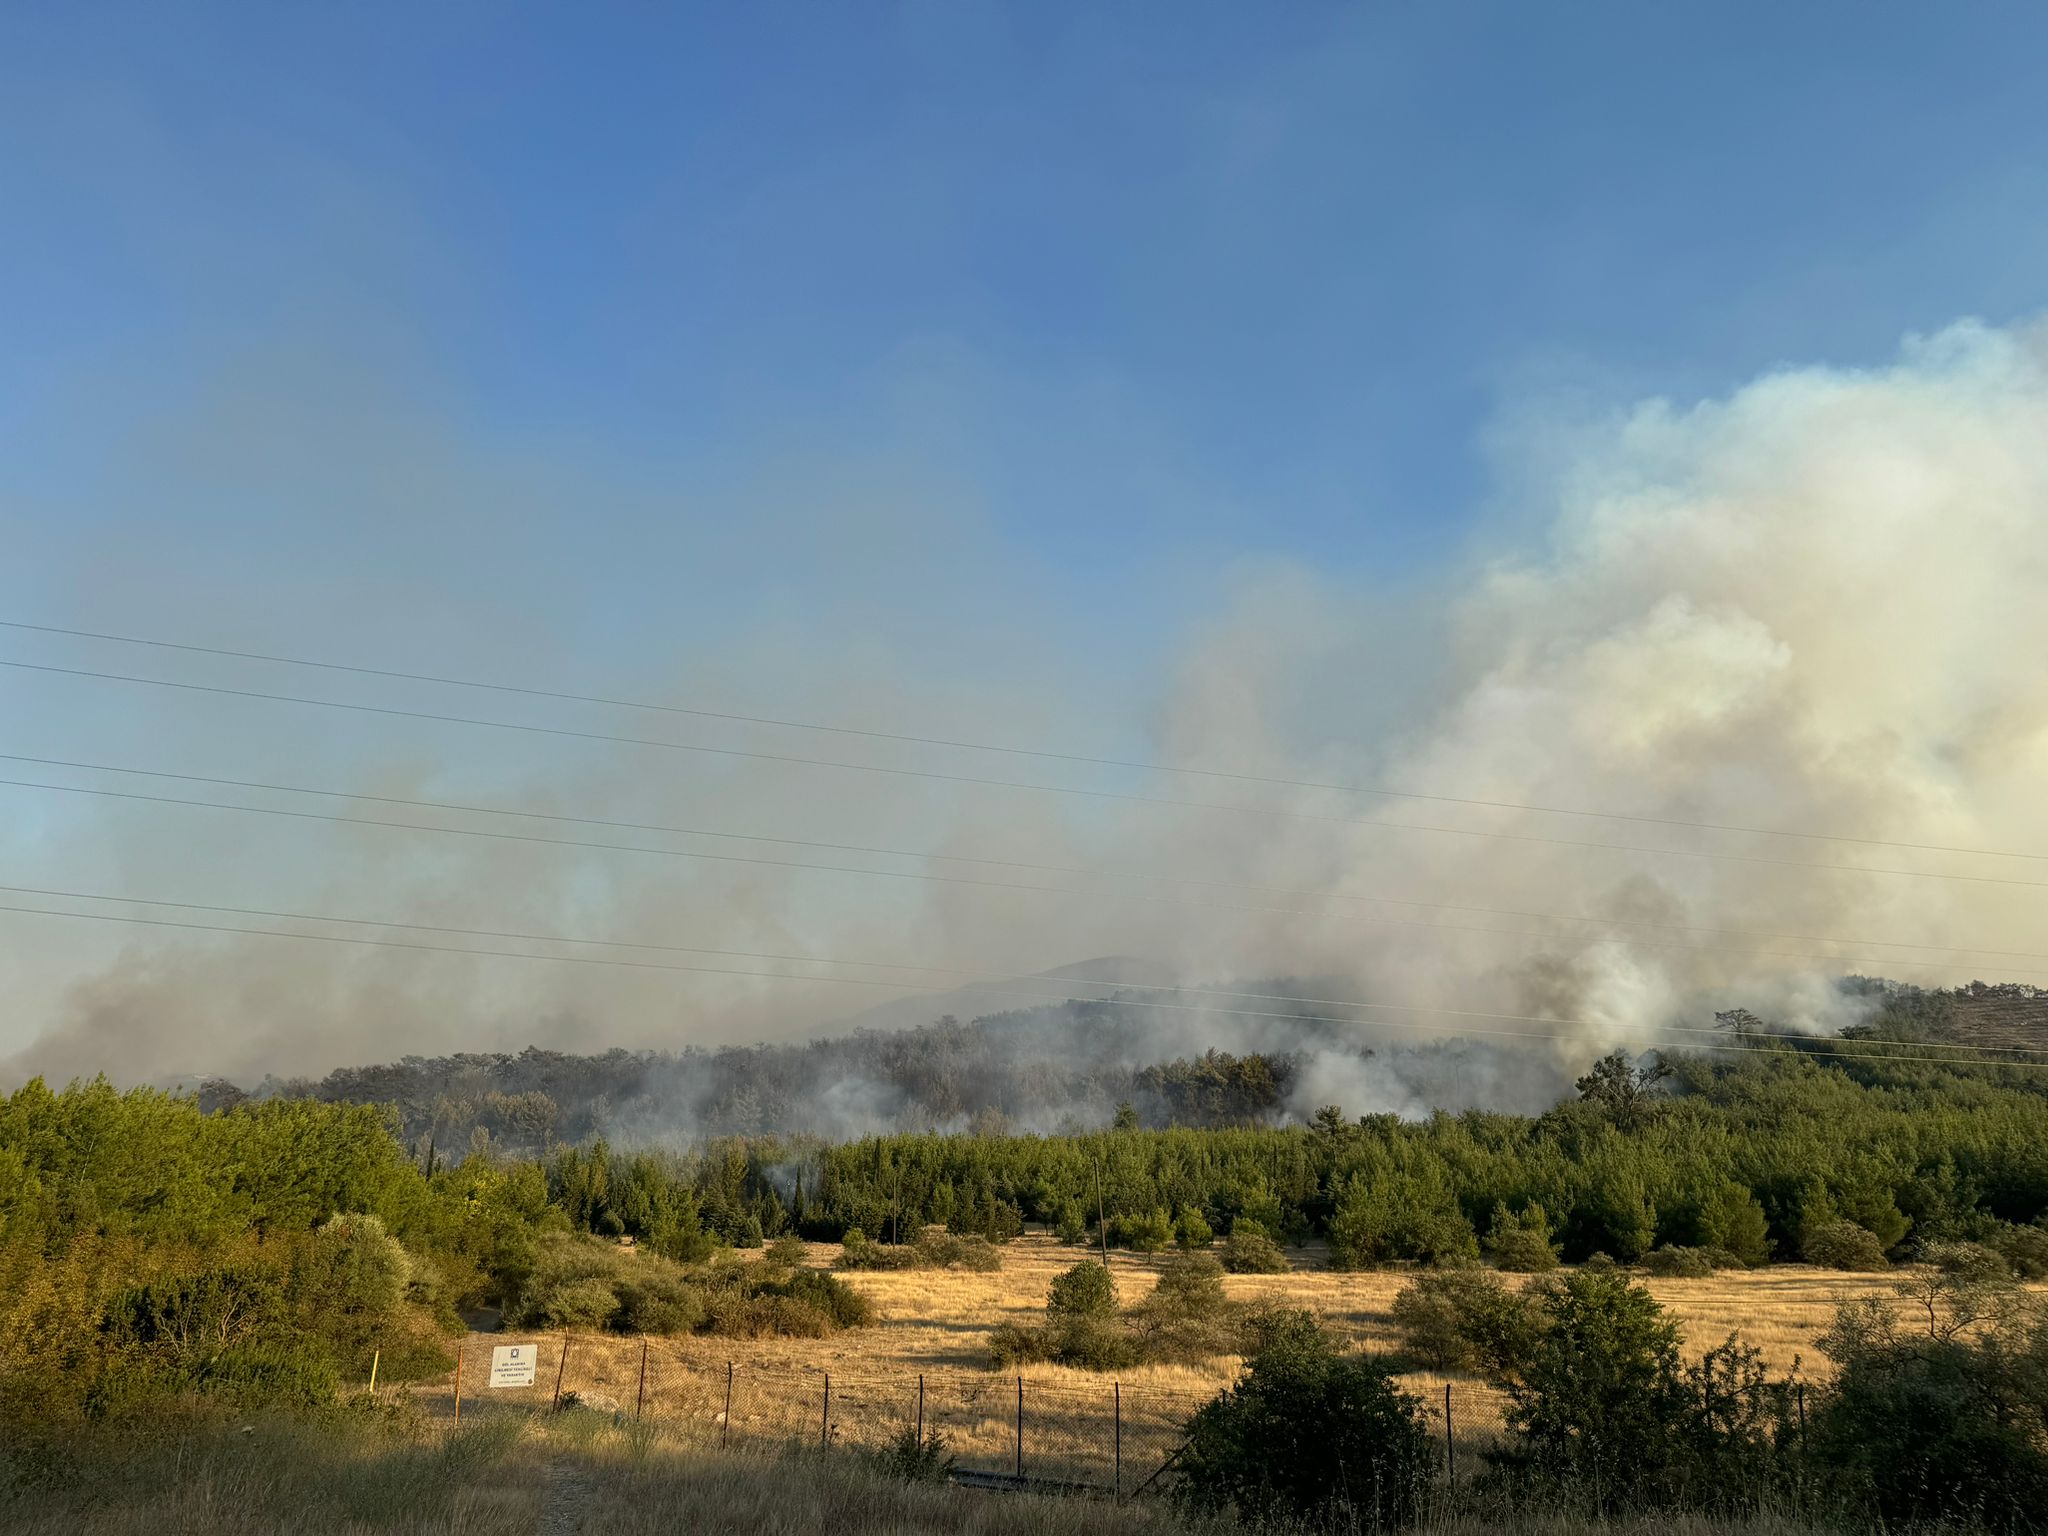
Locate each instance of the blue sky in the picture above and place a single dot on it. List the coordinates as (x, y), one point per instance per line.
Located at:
(1142, 280)
(736, 350)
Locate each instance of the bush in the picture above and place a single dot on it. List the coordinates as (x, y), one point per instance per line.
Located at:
(1142, 1234)
(935, 1248)
(1942, 1421)
(1366, 1465)
(1086, 1290)
(1732, 1221)
(1399, 1216)
(1461, 1318)
(1843, 1245)
(1675, 1263)
(911, 1460)
(1521, 1243)
(1250, 1251)
(1604, 1414)
(1192, 1229)
(1592, 1407)
(2024, 1249)
(1190, 1286)
(787, 1253)
(1071, 1227)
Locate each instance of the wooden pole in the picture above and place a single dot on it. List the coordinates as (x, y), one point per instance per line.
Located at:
(1020, 1428)
(561, 1365)
(458, 1381)
(920, 1408)
(825, 1420)
(640, 1398)
(1118, 1387)
(1450, 1445)
(1101, 1220)
(725, 1423)
(375, 1356)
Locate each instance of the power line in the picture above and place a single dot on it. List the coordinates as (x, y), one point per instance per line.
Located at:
(860, 981)
(1057, 983)
(1050, 755)
(920, 875)
(1273, 812)
(1084, 870)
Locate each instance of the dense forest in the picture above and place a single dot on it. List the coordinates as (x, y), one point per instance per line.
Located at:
(150, 1242)
(1059, 1067)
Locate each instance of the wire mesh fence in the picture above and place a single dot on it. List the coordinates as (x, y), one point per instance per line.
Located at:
(997, 1430)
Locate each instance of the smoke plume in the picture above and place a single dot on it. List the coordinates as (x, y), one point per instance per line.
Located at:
(1813, 607)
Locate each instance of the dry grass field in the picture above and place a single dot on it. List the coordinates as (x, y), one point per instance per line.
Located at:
(578, 1474)
(935, 1325)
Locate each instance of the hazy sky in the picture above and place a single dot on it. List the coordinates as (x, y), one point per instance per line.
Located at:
(942, 366)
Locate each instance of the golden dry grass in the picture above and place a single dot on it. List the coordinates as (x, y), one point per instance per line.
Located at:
(936, 1324)
(523, 1475)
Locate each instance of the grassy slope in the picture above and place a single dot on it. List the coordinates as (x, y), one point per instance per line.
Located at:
(514, 1476)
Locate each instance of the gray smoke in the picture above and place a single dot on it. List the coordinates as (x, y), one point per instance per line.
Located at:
(1813, 606)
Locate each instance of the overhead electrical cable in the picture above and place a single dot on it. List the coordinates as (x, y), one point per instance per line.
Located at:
(1058, 985)
(1744, 951)
(921, 875)
(1047, 754)
(1832, 1045)
(1273, 812)
(1088, 871)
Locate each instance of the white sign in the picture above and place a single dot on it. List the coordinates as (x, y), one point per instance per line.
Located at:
(512, 1365)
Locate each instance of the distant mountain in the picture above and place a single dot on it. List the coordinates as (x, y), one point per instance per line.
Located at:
(979, 999)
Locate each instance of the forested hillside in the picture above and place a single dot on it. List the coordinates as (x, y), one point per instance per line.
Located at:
(1068, 1066)
(149, 1244)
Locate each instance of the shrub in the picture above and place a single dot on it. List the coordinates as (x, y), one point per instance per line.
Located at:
(1593, 1406)
(935, 1248)
(1942, 1421)
(1842, 1245)
(909, 1459)
(1366, 1465)
(1732, 1220)
(1250, 1251)
(1010, 1345)
(1675, 1263)
(1071, 1227)
(787, 1253)
(1521, 1243)
(1091, 1344)
(1187, 1317)
(1399, 1216)
(1142, 1234)
(1460, 1318)
(1086, 1290)
(2025, 1249)
(588, 1302)
(1192, 1229)
(1190, 1285)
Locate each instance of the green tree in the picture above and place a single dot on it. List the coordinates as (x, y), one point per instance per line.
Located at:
(1367, 1465)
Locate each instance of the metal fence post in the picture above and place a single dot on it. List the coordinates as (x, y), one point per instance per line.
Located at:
(1799, 1396)
(561, 1365)
(640, 1397)
(920, 1409)
(1117, 1388)
(825, 1421)
(1020, 1428)
(725, 1422)
(1450, 1445)
(458, 1381)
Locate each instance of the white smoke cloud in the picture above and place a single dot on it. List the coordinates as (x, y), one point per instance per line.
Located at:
(1814, 605)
